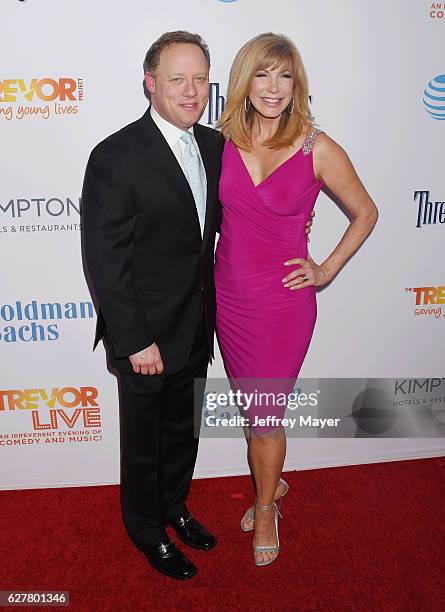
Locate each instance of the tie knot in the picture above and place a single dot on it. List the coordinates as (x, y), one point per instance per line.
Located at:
(187, 138)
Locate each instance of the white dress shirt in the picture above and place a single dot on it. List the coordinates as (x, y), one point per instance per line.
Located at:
(172, 135)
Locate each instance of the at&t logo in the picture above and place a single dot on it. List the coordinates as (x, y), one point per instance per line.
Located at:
(434, 97)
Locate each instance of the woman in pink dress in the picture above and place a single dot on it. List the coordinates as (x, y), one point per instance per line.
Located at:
(274, 165)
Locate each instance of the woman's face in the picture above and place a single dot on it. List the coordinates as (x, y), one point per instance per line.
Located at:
(271, 90)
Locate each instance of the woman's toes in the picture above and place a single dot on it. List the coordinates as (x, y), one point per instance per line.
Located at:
(247, 524)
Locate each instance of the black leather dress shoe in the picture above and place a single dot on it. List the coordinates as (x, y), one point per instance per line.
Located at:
(168, 559)
(193, 533)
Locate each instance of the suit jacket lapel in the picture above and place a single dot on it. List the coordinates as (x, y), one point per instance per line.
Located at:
(163, 160)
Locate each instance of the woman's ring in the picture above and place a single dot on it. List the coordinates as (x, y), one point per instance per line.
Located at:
(304, 278)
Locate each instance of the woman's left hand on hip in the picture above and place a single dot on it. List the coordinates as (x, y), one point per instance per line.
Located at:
(309, 273)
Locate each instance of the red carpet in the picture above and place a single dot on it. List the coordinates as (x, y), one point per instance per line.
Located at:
(359, 538)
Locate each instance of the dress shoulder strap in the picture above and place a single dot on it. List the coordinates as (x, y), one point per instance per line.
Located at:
(309, 141)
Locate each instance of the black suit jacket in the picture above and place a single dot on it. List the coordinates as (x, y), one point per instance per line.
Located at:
(150, 269)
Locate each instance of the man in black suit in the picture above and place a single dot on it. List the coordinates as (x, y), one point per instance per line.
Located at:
(149, 227)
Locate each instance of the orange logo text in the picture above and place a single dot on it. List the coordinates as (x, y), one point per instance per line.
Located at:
(46, 89)
(82, 401)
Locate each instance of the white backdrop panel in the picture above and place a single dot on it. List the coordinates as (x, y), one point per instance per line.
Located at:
(368, 64)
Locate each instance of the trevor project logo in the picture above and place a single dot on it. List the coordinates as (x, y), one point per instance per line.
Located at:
(40, 97)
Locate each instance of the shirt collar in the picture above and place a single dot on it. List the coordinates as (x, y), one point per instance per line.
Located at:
(171, 133)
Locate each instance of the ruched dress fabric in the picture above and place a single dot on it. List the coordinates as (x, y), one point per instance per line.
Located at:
(263, 328)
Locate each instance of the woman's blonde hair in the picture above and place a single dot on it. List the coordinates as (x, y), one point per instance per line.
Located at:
(263, 52)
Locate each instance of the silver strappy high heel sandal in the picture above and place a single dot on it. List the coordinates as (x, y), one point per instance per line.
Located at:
(273, 548)
(250, 512)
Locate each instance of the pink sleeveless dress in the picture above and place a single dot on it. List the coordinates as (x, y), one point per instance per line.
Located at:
(263, 328)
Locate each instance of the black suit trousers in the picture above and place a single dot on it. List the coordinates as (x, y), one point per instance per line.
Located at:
(159, 426)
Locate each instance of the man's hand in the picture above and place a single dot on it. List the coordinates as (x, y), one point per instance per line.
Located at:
(309, 225)
(147, 361)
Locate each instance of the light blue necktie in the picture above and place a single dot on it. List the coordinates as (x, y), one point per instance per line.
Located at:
(196, 176)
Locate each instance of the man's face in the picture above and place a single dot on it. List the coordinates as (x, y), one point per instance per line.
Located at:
(179, 87)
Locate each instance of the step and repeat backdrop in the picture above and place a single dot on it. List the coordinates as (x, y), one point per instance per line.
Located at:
(71, 73)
